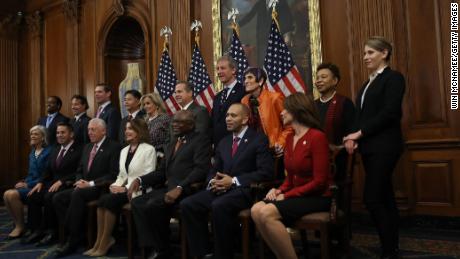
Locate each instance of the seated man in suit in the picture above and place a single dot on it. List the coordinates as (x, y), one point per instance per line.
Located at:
(232, 93)
(98, 166)
(186, 162)
(241, 158)
(132, 102)
(61, 167)
(50, 122)
(80, 120)
(184, 97)
(107, 111)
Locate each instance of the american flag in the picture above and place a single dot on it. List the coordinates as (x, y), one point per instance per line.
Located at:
(166, 83)
(283, 75)
(237, 53)
(203, 90)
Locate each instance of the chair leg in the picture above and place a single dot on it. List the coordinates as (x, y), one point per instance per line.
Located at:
(183, 240)
(324, 230)
(129, 226)
(303, 238)
(245, 237)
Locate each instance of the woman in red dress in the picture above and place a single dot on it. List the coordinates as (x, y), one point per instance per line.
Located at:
(306, 187)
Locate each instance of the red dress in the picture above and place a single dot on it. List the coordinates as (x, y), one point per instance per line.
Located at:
(307, 166)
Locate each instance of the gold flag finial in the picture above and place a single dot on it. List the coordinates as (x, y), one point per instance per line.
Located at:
(272, 4)
(232, 14)
(196, 26)
(166, 32)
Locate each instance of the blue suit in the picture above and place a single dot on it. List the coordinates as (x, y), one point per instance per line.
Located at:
(251, 163)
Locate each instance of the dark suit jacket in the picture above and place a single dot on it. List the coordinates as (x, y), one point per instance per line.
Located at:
(380, 117)
(80, 129)
(121, 132)
(188, 165)
(66, 171)
(252, 162)
(202, 119)
(105, 167)
(219, 111)
(51, 130)
(112, 117)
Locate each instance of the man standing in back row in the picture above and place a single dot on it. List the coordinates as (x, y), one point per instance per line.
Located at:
(107, 111)
(232, 93)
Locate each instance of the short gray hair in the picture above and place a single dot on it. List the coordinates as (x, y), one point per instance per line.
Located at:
(99, 121)
(42, 130)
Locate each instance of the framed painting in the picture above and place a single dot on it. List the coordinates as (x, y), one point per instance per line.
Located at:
(299, 25)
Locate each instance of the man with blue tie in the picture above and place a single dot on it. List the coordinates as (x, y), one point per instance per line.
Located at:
(50, 122)
(241, 158)
(107, 111)
(232, 93)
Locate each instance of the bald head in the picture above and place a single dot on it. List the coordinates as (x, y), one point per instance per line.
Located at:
(237, 117)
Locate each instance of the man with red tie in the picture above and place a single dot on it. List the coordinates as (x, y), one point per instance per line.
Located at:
(98, 166)
(241, 158)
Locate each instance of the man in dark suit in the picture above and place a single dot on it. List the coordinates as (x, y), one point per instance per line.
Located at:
(61, 167)
(98, 166)
(107, 111)
(184, 97)
(132, 102)
(233, 92)
(80, 120)
(53, 106)
(186, 161)
(241, 158)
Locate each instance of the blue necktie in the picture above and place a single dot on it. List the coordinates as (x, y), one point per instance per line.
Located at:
(48, 121)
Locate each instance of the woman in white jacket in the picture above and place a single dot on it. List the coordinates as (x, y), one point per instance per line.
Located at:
(136, 159)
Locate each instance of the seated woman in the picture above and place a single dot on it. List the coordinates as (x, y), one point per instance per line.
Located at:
(265, 108)
(136, 159)
(306, 187)
(336, 113)
(14, 199)
(157, 119)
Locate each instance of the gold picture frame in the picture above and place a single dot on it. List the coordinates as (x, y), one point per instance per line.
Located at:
(314, 32)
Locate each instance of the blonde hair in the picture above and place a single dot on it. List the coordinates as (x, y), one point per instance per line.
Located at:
(156, 99)
(42, 131)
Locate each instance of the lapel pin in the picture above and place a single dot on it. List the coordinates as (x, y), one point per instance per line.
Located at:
(102, 150)
(304, 142)
(245, 140)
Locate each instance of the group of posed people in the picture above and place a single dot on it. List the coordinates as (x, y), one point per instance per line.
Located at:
(152, 161)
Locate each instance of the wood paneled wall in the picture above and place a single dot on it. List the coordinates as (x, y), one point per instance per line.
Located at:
(60, 49)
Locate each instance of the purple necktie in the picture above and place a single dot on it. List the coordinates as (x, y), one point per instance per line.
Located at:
(91, 156)
(60, 157)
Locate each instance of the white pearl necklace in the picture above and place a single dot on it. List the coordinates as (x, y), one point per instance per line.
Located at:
(328, 99)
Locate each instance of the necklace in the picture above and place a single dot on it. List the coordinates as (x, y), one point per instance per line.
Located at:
(328, 99)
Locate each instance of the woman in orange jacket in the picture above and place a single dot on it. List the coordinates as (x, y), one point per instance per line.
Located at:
(266, 108)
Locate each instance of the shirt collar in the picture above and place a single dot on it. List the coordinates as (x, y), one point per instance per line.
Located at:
(133, 115)
(241, 134)
(378, 72)
(230, 86)
(187, 105)
(102, 106)
(52, 114)
(99, 144)
(78, 116)
(67, 146)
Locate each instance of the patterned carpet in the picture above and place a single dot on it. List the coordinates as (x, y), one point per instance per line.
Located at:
(421, 237)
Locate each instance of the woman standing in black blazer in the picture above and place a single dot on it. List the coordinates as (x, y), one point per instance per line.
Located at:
(377, 134)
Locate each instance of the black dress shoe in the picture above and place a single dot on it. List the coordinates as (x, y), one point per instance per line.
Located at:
(48, 239)
(34, 237)
(65, 250)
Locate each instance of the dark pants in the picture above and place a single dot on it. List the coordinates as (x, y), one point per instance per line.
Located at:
(45, 219)
(224, 208)
(379, 198)
(70, 207)
(151, 216)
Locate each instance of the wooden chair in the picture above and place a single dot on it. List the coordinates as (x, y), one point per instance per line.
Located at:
(338, 218)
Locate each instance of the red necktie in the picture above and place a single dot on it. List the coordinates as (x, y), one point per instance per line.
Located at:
(60, 157)
(235, 145)
(92, 155)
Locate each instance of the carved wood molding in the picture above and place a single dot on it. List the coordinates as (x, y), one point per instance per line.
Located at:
(181, 48)
(34, 23)
(119, 6)
(72, 10)
(10, 23)
(424, 144)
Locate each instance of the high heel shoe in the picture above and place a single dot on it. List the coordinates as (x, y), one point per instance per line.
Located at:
(101, 251)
